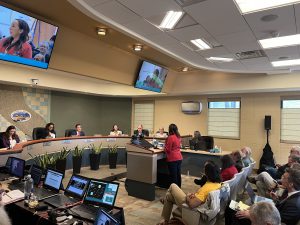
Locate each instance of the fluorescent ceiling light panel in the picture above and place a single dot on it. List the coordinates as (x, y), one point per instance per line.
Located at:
(200, 44)
(292, 62)
(171, 19)
(220, 59)
(278, 42)
(250, 6)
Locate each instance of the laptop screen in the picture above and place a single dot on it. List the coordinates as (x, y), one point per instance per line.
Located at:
(36, 173)
(102, 192)
(104, 218)
(17, 167)
(77, 186)
(53, 179)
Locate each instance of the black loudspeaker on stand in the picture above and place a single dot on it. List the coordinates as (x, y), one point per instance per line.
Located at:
(267, 122)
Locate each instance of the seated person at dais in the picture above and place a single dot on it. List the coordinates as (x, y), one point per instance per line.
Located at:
(49, 131)
(140, 132)
(161, 133)
(228, 168)
(78, 131)
(197, 142)
(9, 138)
(175, 196)
(115, 131)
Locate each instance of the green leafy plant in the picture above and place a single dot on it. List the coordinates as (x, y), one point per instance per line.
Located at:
(63, 153)
(44, 160)
(96, 149)
(78, 152)
(113, 149)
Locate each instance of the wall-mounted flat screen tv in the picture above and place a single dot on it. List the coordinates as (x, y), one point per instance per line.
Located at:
(25, 39)
(151, 77)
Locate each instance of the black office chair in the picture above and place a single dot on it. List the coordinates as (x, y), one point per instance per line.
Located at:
(69, 132)
(1, 140)
(146, 132)
(38, 133)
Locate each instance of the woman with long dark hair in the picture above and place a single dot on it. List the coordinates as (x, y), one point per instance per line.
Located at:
(10, 138)
(174, 157)
(50, 131)
(16, 44)
(228, 168)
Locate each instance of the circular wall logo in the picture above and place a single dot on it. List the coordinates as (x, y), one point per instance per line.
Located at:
(20, 116)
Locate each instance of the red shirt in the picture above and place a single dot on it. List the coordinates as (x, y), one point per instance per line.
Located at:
(172, 148)
(25, 50)
(228, 173)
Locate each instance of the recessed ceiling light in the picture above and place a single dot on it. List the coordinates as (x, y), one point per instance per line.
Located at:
(292, 62)
(280, 41)
(137, 48)
(101, 31)
(219, 59)
(185, 69)
(200, 44)
(250, 6)
(170, 19)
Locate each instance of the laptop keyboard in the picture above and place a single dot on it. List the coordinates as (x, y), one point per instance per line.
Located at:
(85, 211)
(60, 200)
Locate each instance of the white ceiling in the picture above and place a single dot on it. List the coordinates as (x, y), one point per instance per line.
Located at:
(217, 21)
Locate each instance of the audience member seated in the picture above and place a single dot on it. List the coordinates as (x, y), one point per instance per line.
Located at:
(228, 168)
(175, 196)
(203, 178)
(115, 131)
(246, 156)
(50, 131)
(9, 138)
(78, 131)
(140, 132)
(288, 208)
(161, 133)
(237, 159)
(266, 183)
(197, 142)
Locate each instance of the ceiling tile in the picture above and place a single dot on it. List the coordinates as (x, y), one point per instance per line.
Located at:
(185, 21)
(239, 42)
(284, 24)
(146, 8)
(189, 33)
(234, 65)
(143, 27)
(117, 12)
(95, 2)
(215, 52)
(297, 15)
(261, 63)
(291, 52)
(218, 17)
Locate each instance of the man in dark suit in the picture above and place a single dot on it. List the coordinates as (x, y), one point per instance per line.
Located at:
(78, 131)
(140, 132)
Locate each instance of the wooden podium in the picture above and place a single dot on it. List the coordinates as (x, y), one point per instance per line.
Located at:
(142, 171)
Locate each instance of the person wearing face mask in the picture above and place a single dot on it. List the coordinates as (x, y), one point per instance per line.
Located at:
(9, 138)
(17, 43)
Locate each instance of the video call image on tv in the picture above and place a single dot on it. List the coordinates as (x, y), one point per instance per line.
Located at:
(24, 39)
(151, 77)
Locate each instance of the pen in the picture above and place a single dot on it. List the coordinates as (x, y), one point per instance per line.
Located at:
(8, 196)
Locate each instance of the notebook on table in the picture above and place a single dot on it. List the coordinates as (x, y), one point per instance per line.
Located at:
(105, 218)
(255, 198)
(73, 193)
(52, 184)
(12, 196)
(100, 194)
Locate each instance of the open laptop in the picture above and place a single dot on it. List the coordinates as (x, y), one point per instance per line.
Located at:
(74, 192)
(254, 198)
(52, 184)
(100, 194)
(105, 218)
(36, 173)
(5, 171)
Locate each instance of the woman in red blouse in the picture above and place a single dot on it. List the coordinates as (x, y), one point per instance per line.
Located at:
(228, 168)
(174, 157)
(16, 44)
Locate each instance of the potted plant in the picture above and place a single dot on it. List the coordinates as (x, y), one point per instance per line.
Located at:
(44, 161)
(95, 156)
(77, 158)
(112, 156)
(61, 160)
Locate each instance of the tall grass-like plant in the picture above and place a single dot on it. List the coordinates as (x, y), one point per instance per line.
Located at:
(45, 160)
(63, 153)
(113, 149)
(95, 156)
(77, 158)
(78, 152)
(112, 156)
(96, 149)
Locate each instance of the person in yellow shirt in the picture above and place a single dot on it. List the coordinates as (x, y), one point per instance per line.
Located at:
(176, 196)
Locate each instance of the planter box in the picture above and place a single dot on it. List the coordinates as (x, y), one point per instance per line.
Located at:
(77, 164)
(95, 161)
(112, 160)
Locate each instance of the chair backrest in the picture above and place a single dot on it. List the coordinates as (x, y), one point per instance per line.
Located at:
(251, 168)
(234, 191)
(243, 180)
(224, 197)
(38, 133)
(68, 132)
(210, 209)
(1, 139)
(231, 183)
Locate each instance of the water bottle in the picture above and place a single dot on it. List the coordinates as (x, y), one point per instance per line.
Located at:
(28, 188)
